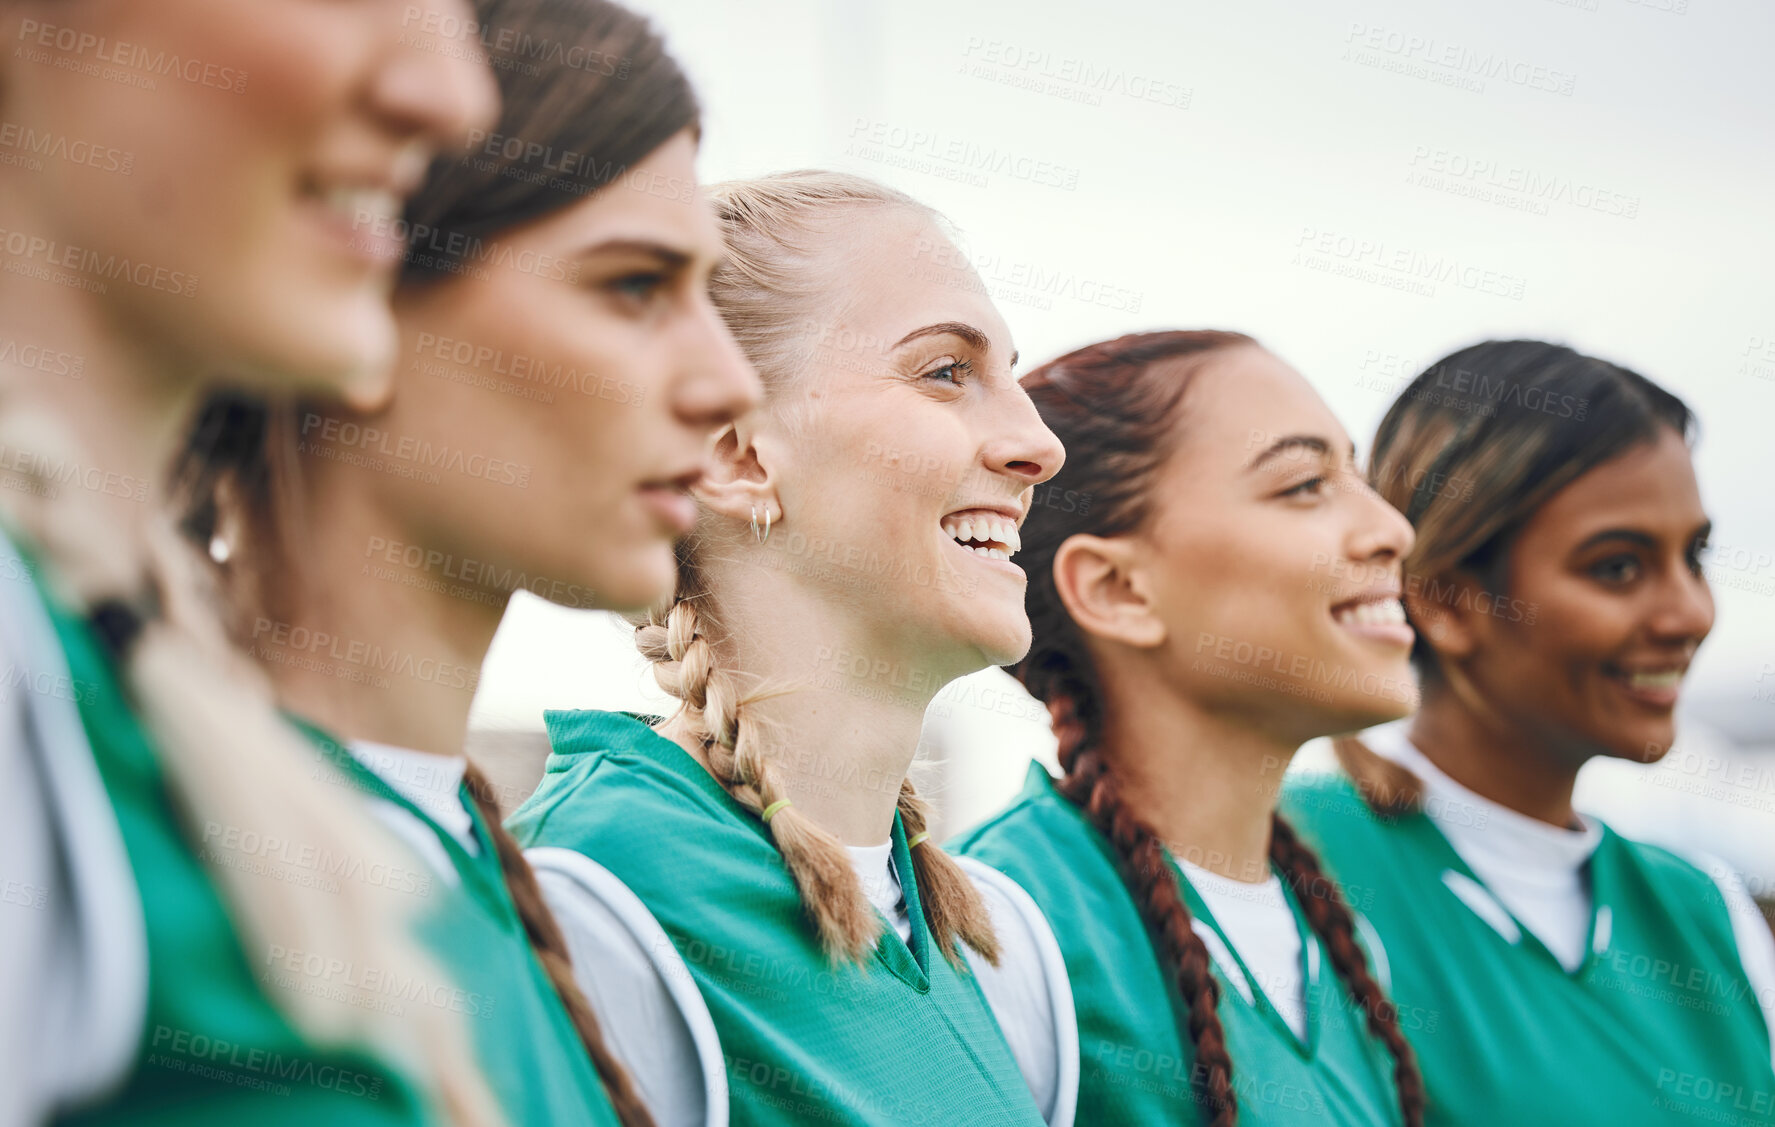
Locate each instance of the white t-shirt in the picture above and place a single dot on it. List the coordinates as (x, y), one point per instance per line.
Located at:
(1030, 993)
(1535, 871)
(881, 884)
(1262, 929)
(1031, 996)
(431, 782)
(626, 964)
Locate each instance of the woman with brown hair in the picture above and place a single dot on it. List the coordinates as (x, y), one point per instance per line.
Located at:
(1212, 586)
(852, 557)
(1568, 974)
(561, 373)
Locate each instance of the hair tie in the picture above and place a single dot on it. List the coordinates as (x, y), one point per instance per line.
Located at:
(914, 841)
(119, 621)
(770, 811)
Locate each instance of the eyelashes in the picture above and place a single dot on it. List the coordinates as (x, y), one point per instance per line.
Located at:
(637, 287)
(1697, 555)
(957, 371)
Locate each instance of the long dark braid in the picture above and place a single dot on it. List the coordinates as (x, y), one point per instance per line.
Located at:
(1331, 921)
(1091, 784)
(1115, 407)
(550, 945)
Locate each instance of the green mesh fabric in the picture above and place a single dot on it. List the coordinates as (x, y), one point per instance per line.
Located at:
(1658, 1025)
(1135, 1057)
(901, 1039)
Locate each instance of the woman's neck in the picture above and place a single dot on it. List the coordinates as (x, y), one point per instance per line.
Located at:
(1206, 782)
(374, 650)
(845, 730)
(1495, 758)
(122, 401)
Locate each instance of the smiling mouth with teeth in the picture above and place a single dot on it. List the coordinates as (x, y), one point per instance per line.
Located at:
(1653, 683)
(358, 206)
(1374, 612)
(1669, 679)
(984, 534)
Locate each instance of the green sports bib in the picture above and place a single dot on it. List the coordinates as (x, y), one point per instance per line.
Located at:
(523, 1038)
(214, 1050)
(1658, 1025)
(1135, 1056)
(903, 1038)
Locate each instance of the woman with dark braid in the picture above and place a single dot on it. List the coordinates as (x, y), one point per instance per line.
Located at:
(561, 374)
(1566, 974)
(1211, 585)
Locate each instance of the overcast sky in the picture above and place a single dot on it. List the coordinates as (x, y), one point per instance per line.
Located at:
(1605, 168)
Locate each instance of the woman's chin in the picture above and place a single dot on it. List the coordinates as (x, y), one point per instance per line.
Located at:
(1006, 646)
(1392, 701)
(1644, 743)
(354, 361)
(649, 578)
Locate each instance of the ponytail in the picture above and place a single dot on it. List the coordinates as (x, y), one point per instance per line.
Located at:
(230, 760)
(1390, 789)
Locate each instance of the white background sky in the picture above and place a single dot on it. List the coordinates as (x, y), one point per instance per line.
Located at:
(1287, 118)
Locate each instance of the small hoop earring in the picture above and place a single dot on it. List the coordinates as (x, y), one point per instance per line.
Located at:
(764, 536)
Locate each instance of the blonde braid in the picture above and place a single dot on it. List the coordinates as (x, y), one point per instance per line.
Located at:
(677, 641)
(952, 907)
(231, 762)
(774, 291)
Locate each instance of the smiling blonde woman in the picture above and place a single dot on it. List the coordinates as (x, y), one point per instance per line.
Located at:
(765, 837)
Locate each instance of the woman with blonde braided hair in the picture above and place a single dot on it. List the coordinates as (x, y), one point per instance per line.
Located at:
(1212, 584)
(178, 863)
(562, 374)
(1557, 586)
(852, 557)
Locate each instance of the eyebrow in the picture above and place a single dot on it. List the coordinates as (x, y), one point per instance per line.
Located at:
(1293, 442)
(669, 257)
(1634, 536)
(966, 332)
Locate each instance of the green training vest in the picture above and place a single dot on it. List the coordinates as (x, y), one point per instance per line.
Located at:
(525, 1042)
(901, 1039)
(1658, 1025)
(1135, 1058)
(214, 1049)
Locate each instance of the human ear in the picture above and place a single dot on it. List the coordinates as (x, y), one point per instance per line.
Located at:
(1103, 585)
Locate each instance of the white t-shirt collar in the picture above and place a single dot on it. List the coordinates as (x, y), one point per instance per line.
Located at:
(875, 868)
(1536, 852)
(433, 783)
